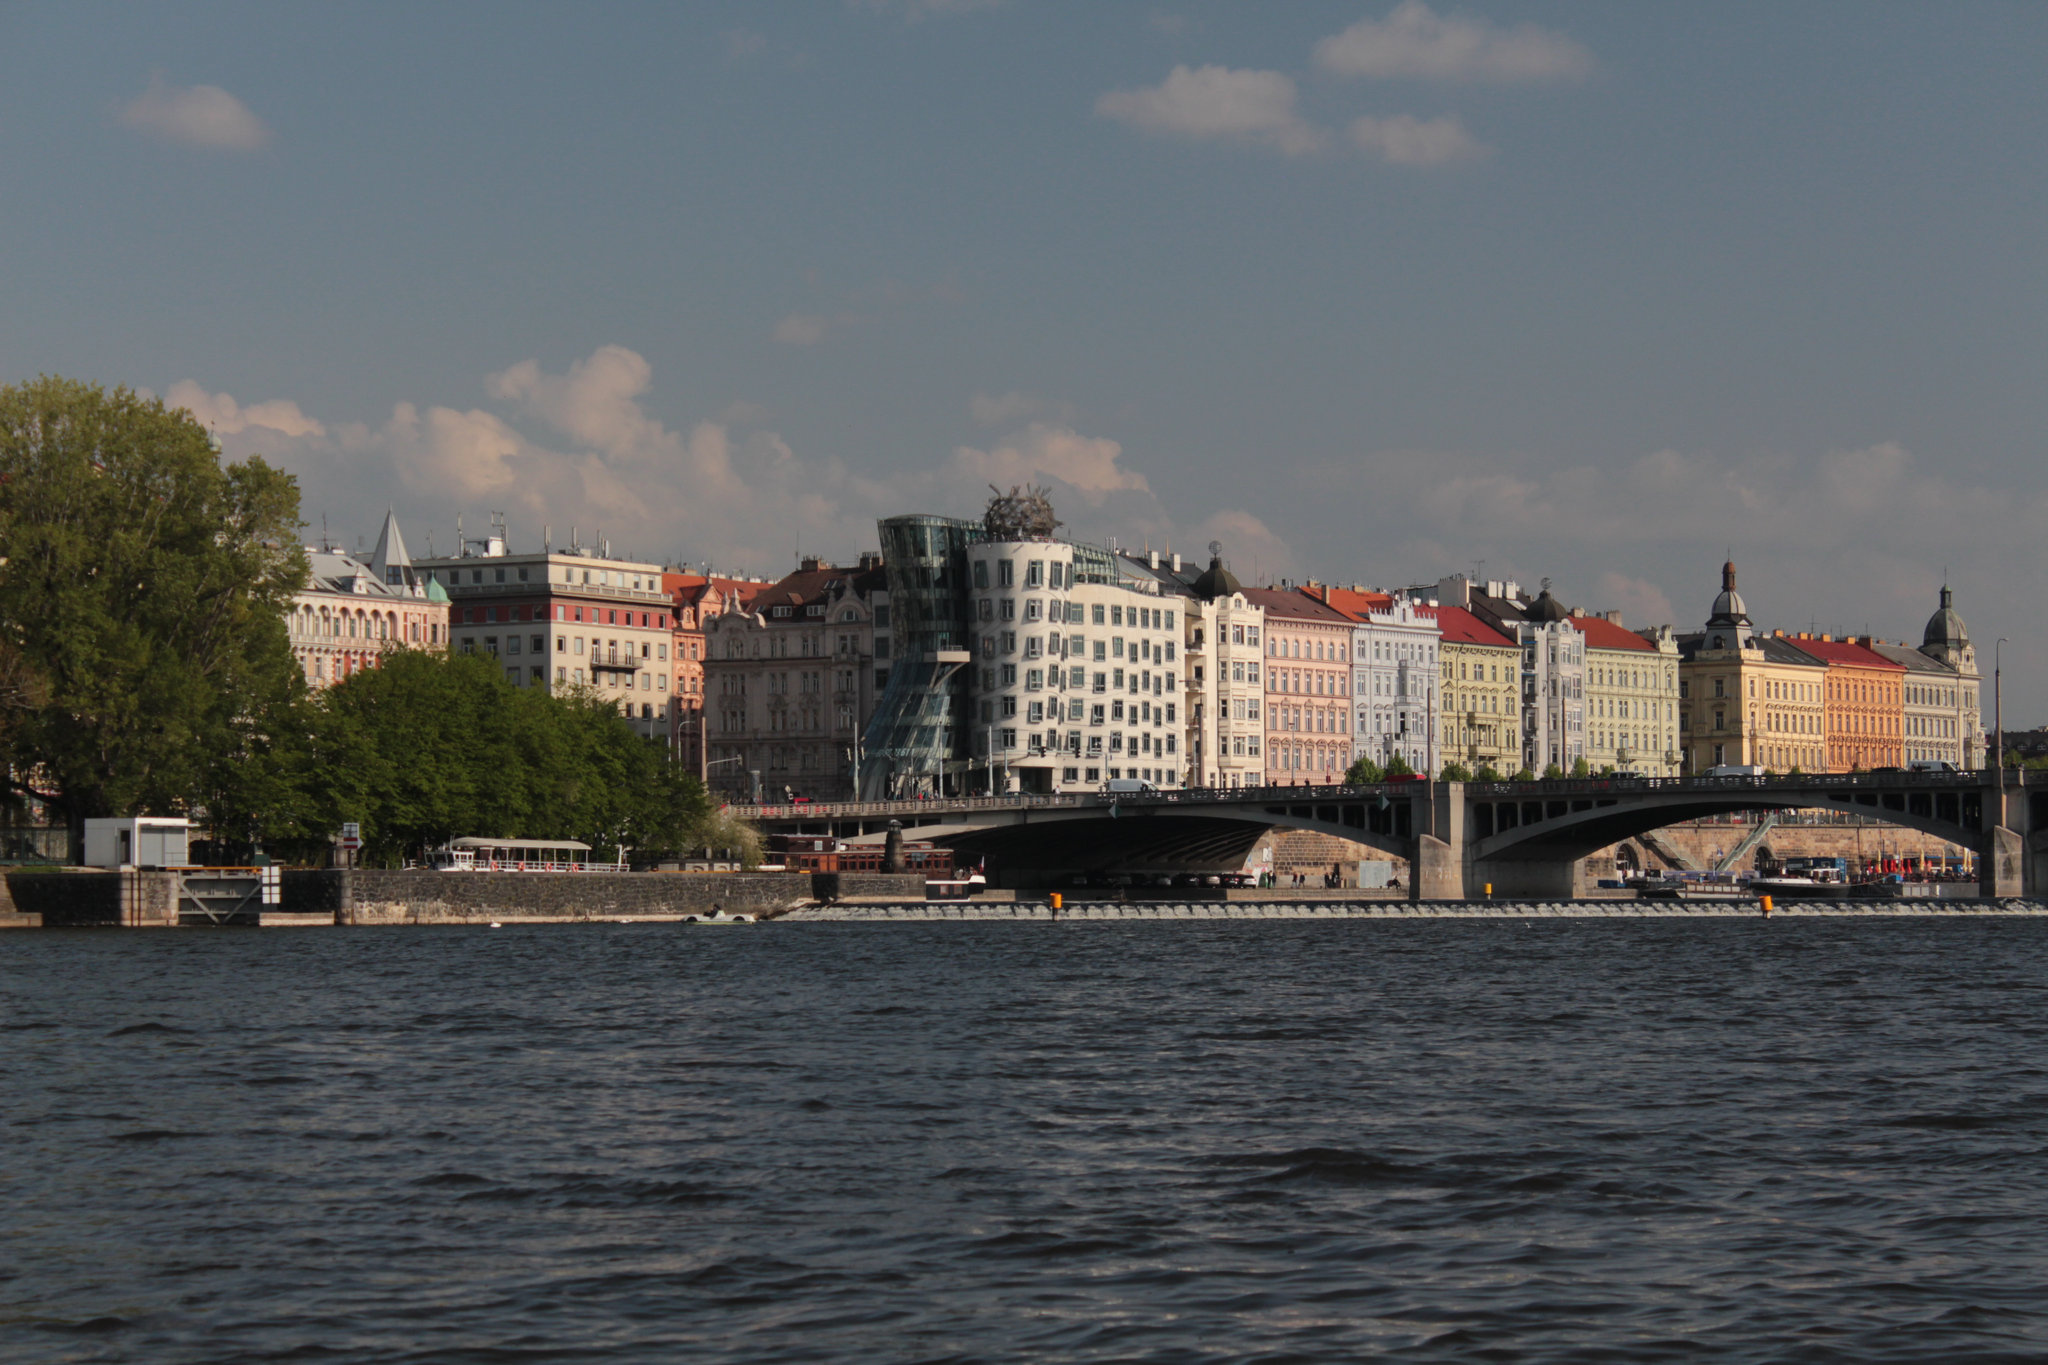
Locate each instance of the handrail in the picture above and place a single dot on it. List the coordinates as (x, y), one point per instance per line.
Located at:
(1539, 787)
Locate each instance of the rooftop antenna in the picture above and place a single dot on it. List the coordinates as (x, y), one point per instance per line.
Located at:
(323, 534)
(547, 538)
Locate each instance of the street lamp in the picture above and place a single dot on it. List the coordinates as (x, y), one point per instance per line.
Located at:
(1998, 706)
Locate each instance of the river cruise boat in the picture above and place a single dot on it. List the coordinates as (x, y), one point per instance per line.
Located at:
(519, 855)
(1806, 879)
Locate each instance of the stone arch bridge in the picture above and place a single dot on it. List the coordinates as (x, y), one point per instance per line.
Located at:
(1520, 838)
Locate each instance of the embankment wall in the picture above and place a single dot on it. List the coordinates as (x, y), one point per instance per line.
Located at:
(373, 896)
(67, 900)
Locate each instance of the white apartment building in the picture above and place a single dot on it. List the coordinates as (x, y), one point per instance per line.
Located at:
(1225, 688)
(1395, 676)
(1075, 667)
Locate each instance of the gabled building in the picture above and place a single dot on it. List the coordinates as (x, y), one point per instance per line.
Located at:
(1394, 676)
(1223, 644)
(1863, 702)
(790, 682)
(1481, 671)
(1631, 696)
(351, 612)
(697, 598)
(1308, 687)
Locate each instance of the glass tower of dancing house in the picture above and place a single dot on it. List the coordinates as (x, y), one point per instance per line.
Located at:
(1034, 665)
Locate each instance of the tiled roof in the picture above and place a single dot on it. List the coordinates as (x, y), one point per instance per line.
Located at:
(1353, 602)
(1299, 606)
(1845, 652)
(1460, 627)
(1602, 633)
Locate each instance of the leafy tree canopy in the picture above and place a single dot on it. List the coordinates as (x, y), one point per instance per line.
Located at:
(1398, 766)
(1363, 772)
(143, 591)
(1455, 771)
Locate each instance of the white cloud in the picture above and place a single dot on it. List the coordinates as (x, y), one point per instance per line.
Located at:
(1414, 41)
(1217, 103)
(579, 447)
(1406, 140)
(802, 329)
(1087, 464)
(222, 415)
(194, 116)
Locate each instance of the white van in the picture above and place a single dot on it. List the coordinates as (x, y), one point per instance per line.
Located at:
(1128, 786)
(1932, 765)
(1734, 770)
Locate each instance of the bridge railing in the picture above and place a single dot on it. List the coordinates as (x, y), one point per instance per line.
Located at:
(1200, 796)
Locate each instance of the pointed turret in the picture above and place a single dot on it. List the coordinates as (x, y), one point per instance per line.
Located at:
(390, 562)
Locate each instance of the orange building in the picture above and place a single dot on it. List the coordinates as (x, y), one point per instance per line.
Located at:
(1862, 704)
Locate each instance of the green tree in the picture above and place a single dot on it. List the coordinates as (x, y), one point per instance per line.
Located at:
(430, 747)
(1580, 768)
(1526, 774)
(1487, 773)
(1398, 766)
(144, 586)
(1455, 771)
(1551, 770)
(1363, 772)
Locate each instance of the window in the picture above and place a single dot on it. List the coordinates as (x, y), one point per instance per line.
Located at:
(1006, 573)
(1034, 679)
(1034, 574)
(1099, 615)
(981, 573)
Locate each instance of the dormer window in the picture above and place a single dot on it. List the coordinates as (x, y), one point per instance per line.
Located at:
(781, 612)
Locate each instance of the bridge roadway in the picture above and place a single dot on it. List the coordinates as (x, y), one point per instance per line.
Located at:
(1520, 838)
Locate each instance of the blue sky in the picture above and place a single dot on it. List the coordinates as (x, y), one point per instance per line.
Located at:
(1369, 292)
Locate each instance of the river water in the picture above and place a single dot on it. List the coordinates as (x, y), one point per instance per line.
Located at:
(1460, 1140)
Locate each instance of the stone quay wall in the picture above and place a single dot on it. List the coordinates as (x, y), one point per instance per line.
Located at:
(376, 896)
(83, 899)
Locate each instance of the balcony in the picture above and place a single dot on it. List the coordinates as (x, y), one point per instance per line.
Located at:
(614, 663)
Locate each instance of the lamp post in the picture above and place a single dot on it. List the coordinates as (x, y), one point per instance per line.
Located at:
(1998, 708)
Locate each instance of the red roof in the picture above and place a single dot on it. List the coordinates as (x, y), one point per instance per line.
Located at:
(1460, 627)
(1353, 602)
(1602, 633)
(1286, 602)
(1845, 652)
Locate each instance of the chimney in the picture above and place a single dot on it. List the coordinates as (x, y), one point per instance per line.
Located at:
(1154, 557)
(1176, 563)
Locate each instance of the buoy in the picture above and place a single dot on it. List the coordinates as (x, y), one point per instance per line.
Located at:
(1056, 900)
(1767, 907)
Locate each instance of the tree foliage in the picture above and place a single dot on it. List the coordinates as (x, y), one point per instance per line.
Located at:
(1455, 771)
(143, 591)
(1363, 772)
(430, 747)
(1398, 766)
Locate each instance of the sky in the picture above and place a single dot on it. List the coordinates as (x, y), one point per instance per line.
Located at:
(1370, 293)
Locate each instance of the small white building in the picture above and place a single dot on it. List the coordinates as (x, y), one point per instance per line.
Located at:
(138, 841)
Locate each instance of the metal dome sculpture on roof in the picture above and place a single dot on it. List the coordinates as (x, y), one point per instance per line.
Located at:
(1546, 607)
(1216, 581)
(1021, 514)
(1946, 626)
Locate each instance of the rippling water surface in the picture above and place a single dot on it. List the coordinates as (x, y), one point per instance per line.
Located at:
(1222, 1141)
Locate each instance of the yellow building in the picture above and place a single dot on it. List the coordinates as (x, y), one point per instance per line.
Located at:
(1631, 697)
(1482, 692)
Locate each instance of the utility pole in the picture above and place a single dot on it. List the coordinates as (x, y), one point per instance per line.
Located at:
(1998, 711)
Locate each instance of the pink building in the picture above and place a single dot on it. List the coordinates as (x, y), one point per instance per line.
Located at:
(1308, 687)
